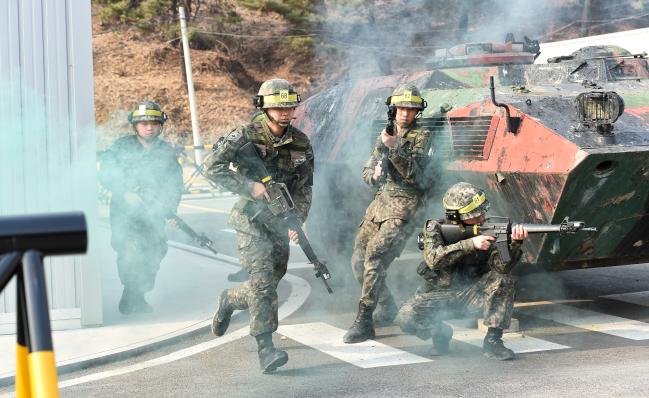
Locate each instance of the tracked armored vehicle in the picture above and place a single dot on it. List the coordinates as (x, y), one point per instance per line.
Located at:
(569, 138)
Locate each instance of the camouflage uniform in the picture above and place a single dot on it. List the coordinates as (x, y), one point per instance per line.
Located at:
(263, 245)
(138, 233)
(459, 280)
(387, 222)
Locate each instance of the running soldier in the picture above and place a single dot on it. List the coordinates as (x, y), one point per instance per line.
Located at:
(263, 245)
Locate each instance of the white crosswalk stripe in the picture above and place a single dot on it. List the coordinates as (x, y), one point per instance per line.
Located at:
(329, 339)
(590, 320)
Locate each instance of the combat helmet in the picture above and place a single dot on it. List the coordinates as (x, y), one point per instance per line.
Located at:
(276, 93)
(407, 96)
(464, 201)
(147, 111)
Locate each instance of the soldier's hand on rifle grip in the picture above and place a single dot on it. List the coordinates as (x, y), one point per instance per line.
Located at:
(258, 190)
(292, 235)
(482, 242)
(388, 140)
(378, 172)
(519, 232)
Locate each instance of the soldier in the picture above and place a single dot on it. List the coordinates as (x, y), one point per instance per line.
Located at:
(263, 244)
(143, 175)
(388, 222)
(467, 277)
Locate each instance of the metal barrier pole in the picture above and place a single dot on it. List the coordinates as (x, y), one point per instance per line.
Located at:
(42, 366)
(8, 264)
(23, 385)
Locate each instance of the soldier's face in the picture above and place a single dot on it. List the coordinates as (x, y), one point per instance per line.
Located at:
(148, 130)
(405, 116)
(282, 116)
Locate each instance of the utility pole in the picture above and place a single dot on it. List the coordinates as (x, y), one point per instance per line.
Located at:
(198, 146)
(585, 18)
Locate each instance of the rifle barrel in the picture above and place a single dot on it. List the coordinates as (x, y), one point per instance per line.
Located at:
(542, 228)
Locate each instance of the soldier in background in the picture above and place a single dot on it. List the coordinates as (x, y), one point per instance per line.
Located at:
(263, 244)
(463, 278)
(143, 175)
(399, 200)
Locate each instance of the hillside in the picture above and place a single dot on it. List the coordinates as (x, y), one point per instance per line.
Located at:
(236, 44)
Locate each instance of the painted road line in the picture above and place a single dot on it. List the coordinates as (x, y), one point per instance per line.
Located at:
(329, 339)
(590, 320)
(639, 298)
(300, 290)
(203, 208)
(517, 342)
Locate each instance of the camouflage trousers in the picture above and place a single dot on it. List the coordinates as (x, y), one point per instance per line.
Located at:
(140, 247)
(377, 245)
(264, 254)
(491, 296)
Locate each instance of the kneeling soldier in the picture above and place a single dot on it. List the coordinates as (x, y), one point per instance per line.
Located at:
(467, 277)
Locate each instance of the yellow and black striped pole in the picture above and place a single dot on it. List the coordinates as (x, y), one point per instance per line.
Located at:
(40, 361)
(23, 386)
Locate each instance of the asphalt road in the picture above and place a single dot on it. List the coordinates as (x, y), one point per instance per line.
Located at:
(580, 341)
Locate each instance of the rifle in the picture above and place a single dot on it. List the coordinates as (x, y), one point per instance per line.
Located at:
(201, 238)
(281, 208)
(389, 129)
(502, 231)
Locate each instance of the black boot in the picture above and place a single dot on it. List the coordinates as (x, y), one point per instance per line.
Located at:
(363, 327)
(385, 312)
(270, 358)
(493, 346)
(441, 337)
(239, 276)
(221, 319)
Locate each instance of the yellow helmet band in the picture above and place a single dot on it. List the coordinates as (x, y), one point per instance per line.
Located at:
(476, 201)
(283, 97)
(147, 112)
(406, 97)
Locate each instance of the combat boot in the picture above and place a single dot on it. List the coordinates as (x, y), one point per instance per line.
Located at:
(363, 327)
(441, 337)
(270, 358)
(239, 276)
(493, 346)
(222, 315)
(385, 312)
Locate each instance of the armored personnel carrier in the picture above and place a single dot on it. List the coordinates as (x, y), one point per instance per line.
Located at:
(569, 138)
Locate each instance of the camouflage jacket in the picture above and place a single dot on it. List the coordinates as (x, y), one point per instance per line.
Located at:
(460, 263)
(153, 173)
(288, 159)
(408, 177)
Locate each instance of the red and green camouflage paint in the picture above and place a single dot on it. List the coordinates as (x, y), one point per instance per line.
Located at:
(550, 168)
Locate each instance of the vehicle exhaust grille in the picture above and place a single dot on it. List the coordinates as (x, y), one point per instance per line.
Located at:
(456, 137)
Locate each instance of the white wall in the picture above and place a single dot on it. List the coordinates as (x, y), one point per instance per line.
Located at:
(636, 41)
(47, 140)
